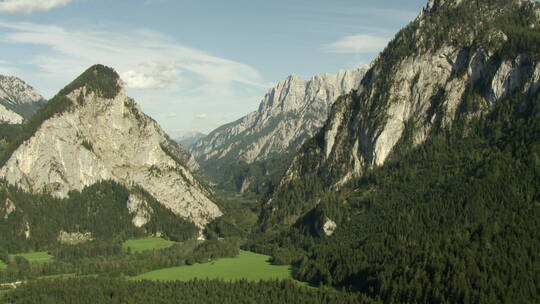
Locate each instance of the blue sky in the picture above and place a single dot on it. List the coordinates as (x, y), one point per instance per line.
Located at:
(194, 65)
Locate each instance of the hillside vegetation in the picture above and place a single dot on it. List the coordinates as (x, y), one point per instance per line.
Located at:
(454, 219)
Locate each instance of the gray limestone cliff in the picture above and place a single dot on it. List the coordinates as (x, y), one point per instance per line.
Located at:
(426, 80)
(18, 100)
(101, 137)
(290, 113)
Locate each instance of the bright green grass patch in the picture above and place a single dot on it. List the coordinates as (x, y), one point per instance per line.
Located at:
(149, 243)
(2, 265)
(247, 265)
(35, 257)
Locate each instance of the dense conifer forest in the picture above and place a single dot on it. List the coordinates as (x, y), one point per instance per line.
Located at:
(99, 209)
(455, 219)
(98, 291)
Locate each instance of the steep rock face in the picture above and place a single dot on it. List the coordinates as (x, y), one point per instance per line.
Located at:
(73, 238)
(18, 100)
(411, 93)
(140, 210)
(289, 113)
(10, 117)
(100, 138)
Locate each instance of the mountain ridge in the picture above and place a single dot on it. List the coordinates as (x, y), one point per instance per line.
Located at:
(91, 131)
(290, 113)
(419, 180)
(410, 93)
(18, 100)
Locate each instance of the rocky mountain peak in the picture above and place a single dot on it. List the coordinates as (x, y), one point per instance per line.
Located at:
(18, 100)
(91, 131)
(289, 113)
(100, 80)
(440, 72)
(433, 5)
(15, 91)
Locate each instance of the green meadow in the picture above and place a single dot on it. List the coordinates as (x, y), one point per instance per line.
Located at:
(149, 243)
(34, 257)
(2, 265)
(247, 265)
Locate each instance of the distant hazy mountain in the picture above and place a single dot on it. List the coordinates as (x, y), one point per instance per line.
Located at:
(18, 100)
(290, 113)
(187, 139)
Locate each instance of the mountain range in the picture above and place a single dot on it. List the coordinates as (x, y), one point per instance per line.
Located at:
(250, 154)
(413, 180)
(91, 133)
(422, 177)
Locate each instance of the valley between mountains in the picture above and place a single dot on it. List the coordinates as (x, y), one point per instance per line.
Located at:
(415, 179)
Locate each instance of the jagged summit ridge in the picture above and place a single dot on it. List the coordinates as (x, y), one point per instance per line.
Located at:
(430, 78)
(15, 91)
(18, 100)
(96, 136)
(291, 112)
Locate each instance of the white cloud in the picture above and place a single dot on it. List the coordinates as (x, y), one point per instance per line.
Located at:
(363, 43)
(29, 6)
(172, 115)
(201, 116)
(145, 59)
(151, 76)
(162, 75)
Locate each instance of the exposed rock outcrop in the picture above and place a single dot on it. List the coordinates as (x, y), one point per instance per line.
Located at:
(140, 210)
(409, 94)
(290, 113)
(10, 117)
(8, 208)
(18, 100)
(100, 137)
(329, 227)
(74, 238)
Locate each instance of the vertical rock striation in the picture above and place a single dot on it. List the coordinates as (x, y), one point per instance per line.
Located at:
(425, 82)
(290, 113)
(101, 137)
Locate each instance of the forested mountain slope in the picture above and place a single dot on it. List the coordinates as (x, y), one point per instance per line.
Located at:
(90, 133)
(450, 67)
(424, 185)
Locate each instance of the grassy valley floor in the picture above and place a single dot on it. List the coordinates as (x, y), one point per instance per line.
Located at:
(248, 265)
(149, 243)
(34, 257)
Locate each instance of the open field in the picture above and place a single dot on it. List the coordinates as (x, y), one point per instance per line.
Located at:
(149, 243)
(247, 265)
(34, 257)
(2, 265)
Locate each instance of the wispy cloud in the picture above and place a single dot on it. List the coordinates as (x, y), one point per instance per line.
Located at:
(201, 116)
(145, 59)
(172, 115)
(363, 43)
(29, 6)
